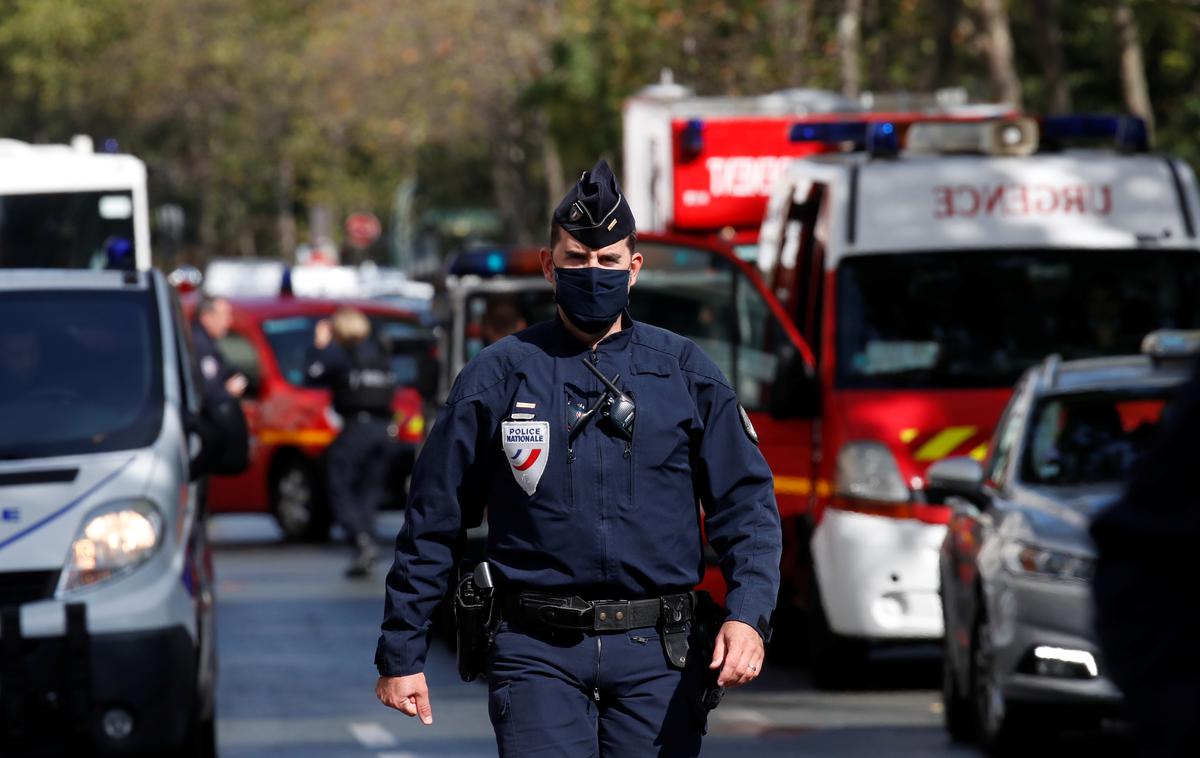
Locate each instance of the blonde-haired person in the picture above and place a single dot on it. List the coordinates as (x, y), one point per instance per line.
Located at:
(354, 366)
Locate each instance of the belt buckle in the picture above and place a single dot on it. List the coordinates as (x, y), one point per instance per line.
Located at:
(575, 614)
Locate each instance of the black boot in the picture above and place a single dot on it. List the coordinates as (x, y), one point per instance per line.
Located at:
(364, 556)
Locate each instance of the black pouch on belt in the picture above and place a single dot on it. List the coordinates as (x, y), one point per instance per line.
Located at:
(472, 624)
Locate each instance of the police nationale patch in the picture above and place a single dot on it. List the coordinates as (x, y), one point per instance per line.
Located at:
(746, 425)
(526, 446)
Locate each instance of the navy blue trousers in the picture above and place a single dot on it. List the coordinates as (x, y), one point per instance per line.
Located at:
(610, 695)
(358, 467)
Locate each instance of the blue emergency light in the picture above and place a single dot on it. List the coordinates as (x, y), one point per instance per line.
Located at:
(496, 261)
(118, 254)
(691, 139)
(1127, 132)
(879, 138)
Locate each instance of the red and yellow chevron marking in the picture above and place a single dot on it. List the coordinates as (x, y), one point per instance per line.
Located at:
(934, 446)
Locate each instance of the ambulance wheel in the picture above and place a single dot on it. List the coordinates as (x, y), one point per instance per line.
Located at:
(837, 662)
(297, 503)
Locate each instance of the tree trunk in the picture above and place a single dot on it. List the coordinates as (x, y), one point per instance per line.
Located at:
(552, 166)
(286, 219)
(1000, 52)
(1133, 68)
(849, 41)
(1049, 43)
(793, 22)
(941, 69)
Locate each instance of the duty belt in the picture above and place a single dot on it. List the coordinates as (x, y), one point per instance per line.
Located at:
(573, 613)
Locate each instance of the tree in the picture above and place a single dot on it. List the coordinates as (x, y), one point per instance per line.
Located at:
(1133, 68)
(998, 45)
(849, 42)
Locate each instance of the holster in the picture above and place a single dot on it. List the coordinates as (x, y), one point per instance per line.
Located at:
(472, 624)
(707, 618)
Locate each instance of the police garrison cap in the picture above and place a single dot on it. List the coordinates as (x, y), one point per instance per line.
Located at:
(595, 211)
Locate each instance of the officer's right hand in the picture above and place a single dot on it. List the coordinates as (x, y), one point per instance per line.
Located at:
(407, 694)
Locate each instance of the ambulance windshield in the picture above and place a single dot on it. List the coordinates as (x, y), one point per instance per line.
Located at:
(979, 318)
(80, 372)
(63, 229)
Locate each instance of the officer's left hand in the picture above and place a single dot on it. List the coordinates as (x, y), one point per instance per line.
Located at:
(738, 653)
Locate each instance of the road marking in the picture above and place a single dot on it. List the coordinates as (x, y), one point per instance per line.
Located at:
(371, 735)
(396, 755)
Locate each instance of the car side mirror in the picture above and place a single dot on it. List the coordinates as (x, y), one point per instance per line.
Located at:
(959, 476)
(795, 393)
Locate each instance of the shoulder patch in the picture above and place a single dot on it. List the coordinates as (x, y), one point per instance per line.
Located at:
(746, 425)
(209, 367)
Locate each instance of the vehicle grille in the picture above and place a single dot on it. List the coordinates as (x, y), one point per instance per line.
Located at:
(18, 587)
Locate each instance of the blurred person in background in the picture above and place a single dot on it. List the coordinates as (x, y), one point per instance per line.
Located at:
(501, 319)
(1147, 618)
(355, 367)
(214, 316)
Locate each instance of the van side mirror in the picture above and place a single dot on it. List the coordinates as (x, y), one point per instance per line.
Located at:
(959, 476)
(796, 393)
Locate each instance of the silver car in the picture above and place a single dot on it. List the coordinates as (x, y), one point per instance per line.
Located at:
(1021, 655)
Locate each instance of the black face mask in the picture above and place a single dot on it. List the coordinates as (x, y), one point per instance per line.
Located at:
(592, 297)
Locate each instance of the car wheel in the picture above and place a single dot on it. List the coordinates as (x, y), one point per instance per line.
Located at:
(837, 662)
(1003, 726)
(297, 503)
(957, 708)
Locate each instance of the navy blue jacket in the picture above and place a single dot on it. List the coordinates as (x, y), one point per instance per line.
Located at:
(613, 519)
(214, 370)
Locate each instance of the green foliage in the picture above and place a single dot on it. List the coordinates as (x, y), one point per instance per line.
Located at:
(249, 112)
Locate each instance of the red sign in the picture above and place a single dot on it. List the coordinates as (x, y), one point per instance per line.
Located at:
(362, 229)
(724, 177)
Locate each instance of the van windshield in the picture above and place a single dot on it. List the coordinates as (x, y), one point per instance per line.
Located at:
(980, 318)
(63, 229)
(80, 372)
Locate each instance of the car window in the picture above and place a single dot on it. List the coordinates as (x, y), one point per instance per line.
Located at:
(1090, 439)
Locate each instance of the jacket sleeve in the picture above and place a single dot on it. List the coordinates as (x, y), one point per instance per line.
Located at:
(448, 479)
(737, 490)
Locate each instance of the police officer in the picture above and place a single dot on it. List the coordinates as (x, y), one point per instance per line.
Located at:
(214, 316)
(1147, 620)
(345, 359)
(594, 527)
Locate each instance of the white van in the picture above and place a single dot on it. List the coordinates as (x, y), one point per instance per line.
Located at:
(106, 594)
(67, 206)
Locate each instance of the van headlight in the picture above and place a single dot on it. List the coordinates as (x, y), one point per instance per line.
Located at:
(115, 539)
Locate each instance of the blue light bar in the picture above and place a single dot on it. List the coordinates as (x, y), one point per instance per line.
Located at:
(691, 140)
(118, 254)
(1127, 132)
(878, 138)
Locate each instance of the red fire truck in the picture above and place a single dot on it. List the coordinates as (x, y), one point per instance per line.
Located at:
(927, 269)
(705, 166)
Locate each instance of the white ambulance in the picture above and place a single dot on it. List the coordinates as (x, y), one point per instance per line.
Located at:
(927, 268)
(67, 206)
